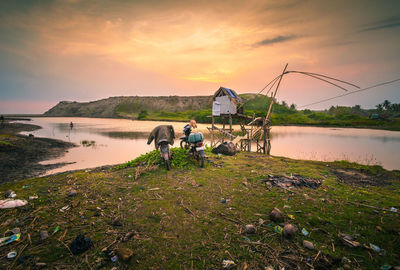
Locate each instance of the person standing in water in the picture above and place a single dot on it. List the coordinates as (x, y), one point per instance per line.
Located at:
(71, 125)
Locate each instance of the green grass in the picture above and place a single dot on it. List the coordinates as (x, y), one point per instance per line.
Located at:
(179, 221)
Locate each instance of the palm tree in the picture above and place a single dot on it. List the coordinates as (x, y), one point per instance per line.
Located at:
(386, 104)
(379, 107)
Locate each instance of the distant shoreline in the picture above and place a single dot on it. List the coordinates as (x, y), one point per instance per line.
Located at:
(24, 117)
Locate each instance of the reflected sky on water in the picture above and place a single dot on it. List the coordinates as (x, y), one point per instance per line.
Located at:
(120, 140)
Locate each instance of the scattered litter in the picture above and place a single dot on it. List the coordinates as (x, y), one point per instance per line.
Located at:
(250, 229)
(308, 244)
(225, 148)
(305, 232)
(289, 231)
(246, 184)
(116, 222)
(287, 206)
(15, 231)
(278, 229)
(261, 221)
(223, 200)
(296, 181)
(80, 244)
(345, 260)
(128, 236)
(154, 189)
(44, 235)
(124, 253)
(142, 188)
(394, 210)
(227, 263)
(9, 194)
(276, 215)
(375, 247)
(130, 176)
(246, 239)
(291, 217)
(12, 254)
(10, 203)
(33, 197)
(65, 208)
(26, 186)
(72, 193)
(114, 258)
(41, 264)
(9, 239)
(349, 240)
(56, 229)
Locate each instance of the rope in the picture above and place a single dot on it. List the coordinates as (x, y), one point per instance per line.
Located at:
(353, 92)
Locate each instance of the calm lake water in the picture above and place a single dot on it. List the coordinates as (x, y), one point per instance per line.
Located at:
(114, 141)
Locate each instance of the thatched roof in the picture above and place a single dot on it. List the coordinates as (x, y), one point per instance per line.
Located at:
(223, 91)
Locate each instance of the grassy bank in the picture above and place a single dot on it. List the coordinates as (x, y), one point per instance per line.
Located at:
(177, 219)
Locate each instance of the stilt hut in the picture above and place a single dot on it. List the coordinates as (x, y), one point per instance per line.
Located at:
(227, 105)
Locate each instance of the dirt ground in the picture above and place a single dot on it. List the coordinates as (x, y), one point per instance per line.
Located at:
(359, 178)
(20, 155)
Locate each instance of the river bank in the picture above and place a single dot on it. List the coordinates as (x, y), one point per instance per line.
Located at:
(196, 218)
(20, 155)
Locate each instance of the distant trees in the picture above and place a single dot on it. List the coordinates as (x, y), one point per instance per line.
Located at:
(388, 107)
(142, 114)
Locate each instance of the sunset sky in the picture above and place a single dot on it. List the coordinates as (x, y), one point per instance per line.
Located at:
(83, 50)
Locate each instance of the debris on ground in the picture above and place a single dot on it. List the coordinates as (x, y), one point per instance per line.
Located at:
(124, 254)
(11, 254)
(276, 215)
(56, 229)
(225, 148)
(278, 229)
(33, 197)
(289, 231)
(9, 194)
(44, 235)
(10, 203)
(127, 236)
(304, 232)
(117, 222)
(9, 239)
(227, 263)
(80, 244)
(308, 244)
(72, 193)
(250, 229)
(348, 240)
(65, 208)
(360, 178)
(295, 181)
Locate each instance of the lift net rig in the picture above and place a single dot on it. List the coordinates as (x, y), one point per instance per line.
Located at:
(227, 105)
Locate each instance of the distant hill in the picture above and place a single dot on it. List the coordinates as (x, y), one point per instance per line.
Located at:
(130, 106)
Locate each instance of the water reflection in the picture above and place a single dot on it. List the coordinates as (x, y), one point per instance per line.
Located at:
(120, 140)
(125, 134)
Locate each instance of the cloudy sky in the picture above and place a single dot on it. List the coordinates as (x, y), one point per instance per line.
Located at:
(85, 50)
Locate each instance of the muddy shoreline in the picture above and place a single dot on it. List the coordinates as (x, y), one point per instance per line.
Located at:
(20, 155)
